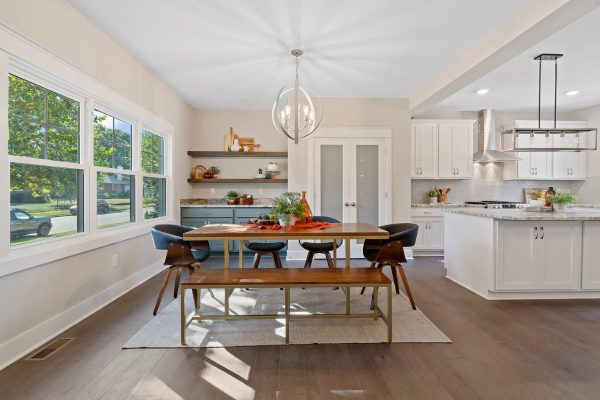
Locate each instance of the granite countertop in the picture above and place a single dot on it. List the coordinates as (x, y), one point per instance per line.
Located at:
(438, 205)
(521, 215)
(259, 203)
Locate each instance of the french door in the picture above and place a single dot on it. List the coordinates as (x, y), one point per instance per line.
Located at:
(352, 183)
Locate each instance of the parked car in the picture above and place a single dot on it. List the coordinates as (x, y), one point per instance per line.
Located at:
(23, 223)
(101, 207)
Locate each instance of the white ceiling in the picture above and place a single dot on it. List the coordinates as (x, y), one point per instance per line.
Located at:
(235, 53)
(514, 85)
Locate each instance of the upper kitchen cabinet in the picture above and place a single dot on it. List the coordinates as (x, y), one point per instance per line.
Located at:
(442, 149)
(548, 165)
(424, 152)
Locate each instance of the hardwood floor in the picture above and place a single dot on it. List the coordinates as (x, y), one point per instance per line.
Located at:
(500, 350)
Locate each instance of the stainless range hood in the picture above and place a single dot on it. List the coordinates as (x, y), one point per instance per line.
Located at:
(486, 144)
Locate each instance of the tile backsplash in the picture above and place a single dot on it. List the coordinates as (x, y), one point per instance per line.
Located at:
(487, 184)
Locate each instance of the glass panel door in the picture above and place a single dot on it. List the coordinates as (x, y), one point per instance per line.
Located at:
(367, 184)
(332, 181)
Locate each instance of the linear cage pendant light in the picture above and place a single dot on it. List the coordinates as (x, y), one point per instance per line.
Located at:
(295, 113)
(552, 138)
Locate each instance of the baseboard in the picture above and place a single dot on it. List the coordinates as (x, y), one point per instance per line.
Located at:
(23, 344)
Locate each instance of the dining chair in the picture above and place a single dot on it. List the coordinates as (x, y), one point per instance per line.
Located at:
(320, 247)
(180, 254)
(260, 248)
(401, 235)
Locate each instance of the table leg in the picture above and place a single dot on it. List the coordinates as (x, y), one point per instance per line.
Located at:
(287, 315)
(240, 253)
(347, 253)
(334, 253)
(389, 313)
(226, 254)
(183, 318)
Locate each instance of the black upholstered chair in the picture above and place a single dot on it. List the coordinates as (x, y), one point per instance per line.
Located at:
(320, 247)
(260, 248)
(401, 236)
(180, 254)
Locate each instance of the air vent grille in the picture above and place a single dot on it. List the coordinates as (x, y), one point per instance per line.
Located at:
(49, 349)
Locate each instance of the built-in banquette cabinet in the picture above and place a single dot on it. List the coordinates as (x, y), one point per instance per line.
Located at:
(547, 165)
(200, 216)
(441, 149)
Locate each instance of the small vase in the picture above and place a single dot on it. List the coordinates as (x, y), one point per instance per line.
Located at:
(558, 207)
(307, 213)
(433, 200)
(287, 220)
(236, 145)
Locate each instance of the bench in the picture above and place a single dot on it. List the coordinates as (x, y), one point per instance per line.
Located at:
(230, 279)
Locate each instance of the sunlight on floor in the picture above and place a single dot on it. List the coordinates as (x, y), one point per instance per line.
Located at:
(153, 388)
(224, 358)
(226, 383)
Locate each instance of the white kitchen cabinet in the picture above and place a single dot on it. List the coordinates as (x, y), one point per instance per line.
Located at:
(547, 165)
(424, 154)
(591, 256)
(455, 148)
(442, 149)
(431, 228)
(539, 255)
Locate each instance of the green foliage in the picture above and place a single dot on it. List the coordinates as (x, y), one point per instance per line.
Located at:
(152, 153)
(214, 170)
(562, 198)
(232, 194)
(432, 193)
(154, 190)
(112, 142)
(288, 203)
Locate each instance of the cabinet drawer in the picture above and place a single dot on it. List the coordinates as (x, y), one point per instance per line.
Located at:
(427, 212)
(201, 212)
(251, 212)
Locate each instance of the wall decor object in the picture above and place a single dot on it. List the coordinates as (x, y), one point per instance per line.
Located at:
(229, 139)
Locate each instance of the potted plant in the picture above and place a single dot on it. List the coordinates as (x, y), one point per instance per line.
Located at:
(287, 208)
(560, 200)
(233, 197)
(432, 194)
(212, 172)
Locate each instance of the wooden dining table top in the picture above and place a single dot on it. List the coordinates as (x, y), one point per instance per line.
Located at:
(246, 232)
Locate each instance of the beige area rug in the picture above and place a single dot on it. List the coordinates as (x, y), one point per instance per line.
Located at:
(408, 325)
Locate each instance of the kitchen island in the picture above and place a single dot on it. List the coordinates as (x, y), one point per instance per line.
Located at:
(516, 254)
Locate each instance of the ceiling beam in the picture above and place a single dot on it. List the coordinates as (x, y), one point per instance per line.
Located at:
(535, 23)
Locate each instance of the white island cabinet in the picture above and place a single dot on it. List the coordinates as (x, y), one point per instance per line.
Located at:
(513, 254)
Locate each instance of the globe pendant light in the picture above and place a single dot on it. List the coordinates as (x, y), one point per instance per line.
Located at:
(295, 113)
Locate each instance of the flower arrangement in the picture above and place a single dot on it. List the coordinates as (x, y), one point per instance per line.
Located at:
(287, 207)
(561, 199)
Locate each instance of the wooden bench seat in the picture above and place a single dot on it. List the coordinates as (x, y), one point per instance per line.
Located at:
(230, 279)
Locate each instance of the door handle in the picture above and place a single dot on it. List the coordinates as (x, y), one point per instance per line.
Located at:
(353, 204)
(541, 232)
(347, 204)
(535, 232)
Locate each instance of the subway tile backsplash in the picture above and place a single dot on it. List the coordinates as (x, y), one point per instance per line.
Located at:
(487, 184)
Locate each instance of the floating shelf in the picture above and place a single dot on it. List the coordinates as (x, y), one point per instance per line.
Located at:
(238, 154)
(219, 180)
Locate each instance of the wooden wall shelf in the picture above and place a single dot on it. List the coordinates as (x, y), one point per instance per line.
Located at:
(219, 180)
(237, 154)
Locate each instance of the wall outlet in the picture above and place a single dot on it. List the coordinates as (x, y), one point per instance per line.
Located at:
(115, 261)
(212, 191)
(261, 191)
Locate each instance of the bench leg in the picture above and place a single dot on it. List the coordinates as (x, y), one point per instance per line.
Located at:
(389, 313)
(287, 315)
(183, 318)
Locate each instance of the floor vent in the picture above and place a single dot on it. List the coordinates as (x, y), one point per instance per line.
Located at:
(49, 349)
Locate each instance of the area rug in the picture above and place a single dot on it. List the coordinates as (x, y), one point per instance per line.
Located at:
(408, 325)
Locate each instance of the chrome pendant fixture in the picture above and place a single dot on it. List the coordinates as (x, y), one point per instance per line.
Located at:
(554, 138)
(295, 113)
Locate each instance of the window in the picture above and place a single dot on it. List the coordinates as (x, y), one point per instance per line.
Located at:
(154, 180)
(43, 125)
(115, 180)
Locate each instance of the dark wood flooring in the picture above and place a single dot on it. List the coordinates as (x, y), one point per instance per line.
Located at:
(501, 350)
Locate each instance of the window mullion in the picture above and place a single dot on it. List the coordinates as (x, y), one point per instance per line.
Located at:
(136, 161)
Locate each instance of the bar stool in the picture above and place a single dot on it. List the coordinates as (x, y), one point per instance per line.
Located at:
(180, 254)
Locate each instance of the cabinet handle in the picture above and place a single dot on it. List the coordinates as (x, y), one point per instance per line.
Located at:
(535, 232)
(541, 232)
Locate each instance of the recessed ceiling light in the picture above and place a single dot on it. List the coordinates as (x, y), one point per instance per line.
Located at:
(482, 91)
(572, 92)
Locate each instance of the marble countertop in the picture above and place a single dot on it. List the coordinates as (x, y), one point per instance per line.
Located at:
(438, 205)
(521, 215)
(259, 203)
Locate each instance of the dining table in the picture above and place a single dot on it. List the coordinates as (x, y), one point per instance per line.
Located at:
(333, 232)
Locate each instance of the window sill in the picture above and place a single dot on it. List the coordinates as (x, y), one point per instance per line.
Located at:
(20, 259)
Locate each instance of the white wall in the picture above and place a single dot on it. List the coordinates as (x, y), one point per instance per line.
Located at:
(41, 301)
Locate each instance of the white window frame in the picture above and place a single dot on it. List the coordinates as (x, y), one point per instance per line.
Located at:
(22, 57)
(166, 169)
